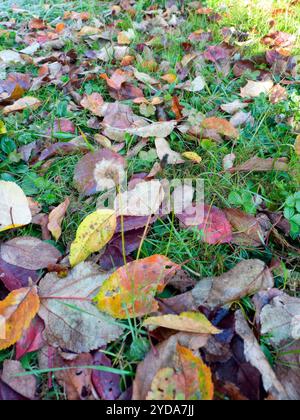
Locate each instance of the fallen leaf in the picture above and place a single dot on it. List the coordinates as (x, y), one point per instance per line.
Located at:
(281, 319)
(14, 277)
(256, 357)
(246, 278)
(93, 234)
(160, 357)
(159, 130)
(56, 218)
(17, 311)
(143, 200)
(32, 339)
(193, 322)
(188, 379)
(194, 157)
(72, 322)
(93, 103)
(210, 220)
(8, 57)
(278, 94)
(221, 126)
(99, 171)
(130, 291)
(21, 104)
(257, 164)
(164, 151)
(29, 253)
(246, 228)
(14, 207)
(23, 385)
(233, 107)
(106, 384)
(75, 379)
(254, 89)
(242, 118)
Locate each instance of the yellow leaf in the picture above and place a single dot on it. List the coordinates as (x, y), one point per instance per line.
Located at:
(169, 78)
(2, 128)
(16, 313)
(14, 207)
(192, 322)
(93, 234)
(297, 146)
(194, 157)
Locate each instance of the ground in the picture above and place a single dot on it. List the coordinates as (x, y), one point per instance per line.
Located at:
(270, 136)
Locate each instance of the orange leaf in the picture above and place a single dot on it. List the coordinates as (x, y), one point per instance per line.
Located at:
(169, 78)
(221, 126)
(56, 217)
(16, 313)
(130, 291)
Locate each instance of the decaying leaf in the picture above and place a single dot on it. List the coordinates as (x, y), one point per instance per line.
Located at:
(72, 322)
(193, 322)
(129, 292)
(246, 278)
(56, 217)
(257, 164)
(29, 253)
(159, 130)
(93, 234)
(14, 207)
(27, 102)
(16, 313)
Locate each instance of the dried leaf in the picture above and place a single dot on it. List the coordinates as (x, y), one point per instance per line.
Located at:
(159, 130)
(21, 104)
(93, 103)
(254, 89)
(93, 234)
(16, 313)
(257, 164)
(246, 278)
(56, 218)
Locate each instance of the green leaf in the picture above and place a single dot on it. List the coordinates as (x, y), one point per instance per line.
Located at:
(289, 212)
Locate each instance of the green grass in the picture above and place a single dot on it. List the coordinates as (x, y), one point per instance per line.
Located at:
(268, 138)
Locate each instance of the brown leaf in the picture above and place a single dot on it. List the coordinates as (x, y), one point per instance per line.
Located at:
(246, 278)
(28, 252)
(93, 103)
(278, 94)
(257, 164)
